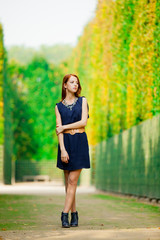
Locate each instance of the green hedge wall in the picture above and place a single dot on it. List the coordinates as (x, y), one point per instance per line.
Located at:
(33, 167)
(1, 102)
(129, 162)
(117, 61)
(5, 117)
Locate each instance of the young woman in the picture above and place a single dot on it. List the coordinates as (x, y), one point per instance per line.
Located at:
(73, 151)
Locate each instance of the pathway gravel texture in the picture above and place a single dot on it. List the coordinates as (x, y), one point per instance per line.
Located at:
(32, 211)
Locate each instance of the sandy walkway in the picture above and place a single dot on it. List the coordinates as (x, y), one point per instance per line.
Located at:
(111, 218)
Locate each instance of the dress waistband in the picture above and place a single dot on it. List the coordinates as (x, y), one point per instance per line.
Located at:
(74, 130)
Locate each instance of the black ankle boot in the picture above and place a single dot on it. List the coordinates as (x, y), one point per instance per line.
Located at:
(64, 219)
(74, 219)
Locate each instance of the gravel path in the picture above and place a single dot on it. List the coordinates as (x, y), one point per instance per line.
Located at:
(101, 216)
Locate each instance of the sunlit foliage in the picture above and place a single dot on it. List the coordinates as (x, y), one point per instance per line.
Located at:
(1, 86)
(35, 89)
(117, 60)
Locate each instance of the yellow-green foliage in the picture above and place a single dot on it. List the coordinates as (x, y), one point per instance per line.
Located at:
(116, 59)
(1, 85)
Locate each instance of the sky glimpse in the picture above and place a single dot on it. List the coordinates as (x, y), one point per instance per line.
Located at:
(44, 22)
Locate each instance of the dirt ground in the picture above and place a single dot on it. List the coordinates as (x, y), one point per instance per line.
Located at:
(101, 216)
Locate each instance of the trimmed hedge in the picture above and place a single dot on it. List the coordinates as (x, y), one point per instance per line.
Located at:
(129, 162)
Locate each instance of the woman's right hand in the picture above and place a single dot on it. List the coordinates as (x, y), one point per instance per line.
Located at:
(64, 156)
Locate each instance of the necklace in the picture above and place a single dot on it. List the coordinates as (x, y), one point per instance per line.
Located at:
(70, 106)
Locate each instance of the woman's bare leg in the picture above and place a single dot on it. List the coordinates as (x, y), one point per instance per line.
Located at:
(66, 175)
(71, 189)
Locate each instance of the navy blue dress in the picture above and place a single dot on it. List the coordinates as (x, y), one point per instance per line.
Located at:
(76, 145)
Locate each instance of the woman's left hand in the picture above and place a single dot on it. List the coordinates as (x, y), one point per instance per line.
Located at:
(59, 129)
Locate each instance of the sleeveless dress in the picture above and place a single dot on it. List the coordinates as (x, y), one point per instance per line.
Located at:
(76, 145)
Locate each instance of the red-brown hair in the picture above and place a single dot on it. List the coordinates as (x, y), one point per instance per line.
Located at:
(65, 79)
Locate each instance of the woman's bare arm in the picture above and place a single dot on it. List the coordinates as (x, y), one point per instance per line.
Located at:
(83, 121)
(59, 122)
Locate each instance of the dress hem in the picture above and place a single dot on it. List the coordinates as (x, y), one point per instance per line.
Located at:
(74, 168)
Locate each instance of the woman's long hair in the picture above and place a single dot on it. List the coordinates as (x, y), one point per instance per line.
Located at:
(65, 80)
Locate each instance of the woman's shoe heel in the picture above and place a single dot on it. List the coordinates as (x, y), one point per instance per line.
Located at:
(74, 219)
(64, 219)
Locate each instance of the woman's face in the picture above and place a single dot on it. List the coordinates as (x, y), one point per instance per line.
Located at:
(72, 84)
